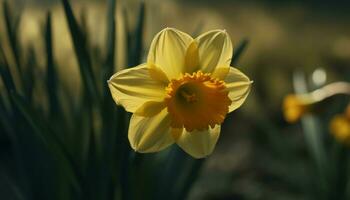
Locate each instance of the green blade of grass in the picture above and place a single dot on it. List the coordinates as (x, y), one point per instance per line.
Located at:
(6, 128)
(29, 70)
(173, 170)
(81, 128)
(128, 36)
(98, 179)
(185, 188)
(242, 45)
(135, 39)
(3, 109)
(90, 93)
(6, 123)
(6, 74)
(83, 26)
(51, 74)
(12, 25)
(108, 106)
(8, 117)
(12, 34)
(124, 152)
(7, 79)
(111, 4)
(313, 137)
(340, 171)
(110, 45)
(137, 50)
(81, 51)
(48, 138)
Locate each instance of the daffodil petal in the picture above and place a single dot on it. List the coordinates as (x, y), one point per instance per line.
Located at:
(150, 108)
(340, 128)
(133, 87)
(221, 72)
(168, 50)
(176, 132)
(192, 57)
(150, 134)
(157, 74)
(215, 49)
(199, 144)
(238, 86)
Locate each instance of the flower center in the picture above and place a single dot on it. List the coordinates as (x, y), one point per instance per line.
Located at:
(197, 101)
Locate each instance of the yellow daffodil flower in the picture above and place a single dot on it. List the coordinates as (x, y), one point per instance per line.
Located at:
(340, 127)
(295, 106)
(182, 93)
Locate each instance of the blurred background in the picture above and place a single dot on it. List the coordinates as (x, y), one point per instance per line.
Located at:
(58, 120)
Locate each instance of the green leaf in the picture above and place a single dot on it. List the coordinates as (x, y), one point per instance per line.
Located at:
(111, 8)
(29, 70)
(128, 36)
(108, 107)
(81, 51)
(12, 33)
(5, 73)
(242, 45)
(138, 37)
(5, 125)
(110, 47)
(313, 136)
(174, 174)
(340, 172)
(48, 138)
(193, 174)
(135, 39)
(98, 178)
(8, 80)
(51, 74)
(12, 24)
(124, 152)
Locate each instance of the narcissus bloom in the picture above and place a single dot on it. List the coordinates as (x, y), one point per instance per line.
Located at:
(182, 93)
(295, 106)
(340, 127)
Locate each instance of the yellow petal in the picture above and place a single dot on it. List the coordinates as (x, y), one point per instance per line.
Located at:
(168, 51)
(157, 74)
(221, 72)
(150, 134)
(176, 132)
(133, 87)
(238, 86)
(294, 107)
(150, 108)
(215, 49)
(340, 128)
(192, 57)
(199, 144)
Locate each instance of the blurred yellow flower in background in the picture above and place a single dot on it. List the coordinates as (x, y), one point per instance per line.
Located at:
(182, 93)
(340, 127)
(295, 106)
